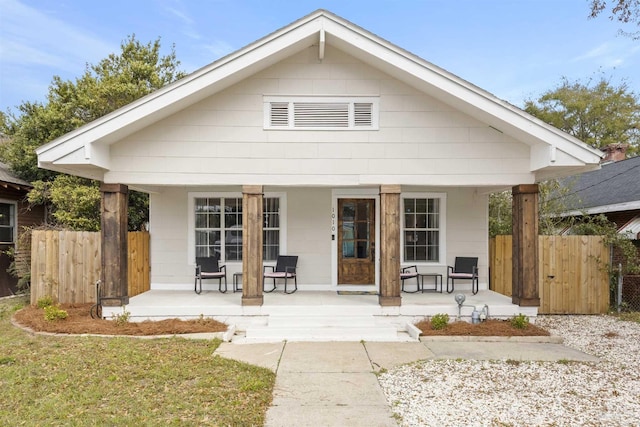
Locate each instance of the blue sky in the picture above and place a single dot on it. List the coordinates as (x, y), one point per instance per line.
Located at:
(515, 49)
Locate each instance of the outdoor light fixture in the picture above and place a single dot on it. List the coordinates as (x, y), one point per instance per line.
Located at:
(460, 300)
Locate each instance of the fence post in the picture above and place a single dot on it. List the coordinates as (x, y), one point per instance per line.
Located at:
(619, 296)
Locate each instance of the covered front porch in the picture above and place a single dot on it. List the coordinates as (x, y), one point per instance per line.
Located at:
(316, 315)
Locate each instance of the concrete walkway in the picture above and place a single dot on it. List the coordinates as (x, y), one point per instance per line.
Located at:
(334, 383)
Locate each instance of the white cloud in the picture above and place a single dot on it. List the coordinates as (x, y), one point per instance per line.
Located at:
(30, 37)
(596, 52)
(218, 48)
(189, 25)
(609, 55)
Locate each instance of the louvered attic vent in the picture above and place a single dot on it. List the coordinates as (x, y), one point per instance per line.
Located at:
(321, 113)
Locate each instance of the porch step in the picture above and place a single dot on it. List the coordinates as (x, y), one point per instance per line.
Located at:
(322, 328)
(313, 321)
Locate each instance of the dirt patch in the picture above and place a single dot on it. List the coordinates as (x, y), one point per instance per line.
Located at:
(79, 321)
(492, 327)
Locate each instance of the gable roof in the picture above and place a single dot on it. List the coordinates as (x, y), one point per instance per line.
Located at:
(614, 187)
(8, 179)
(85, 151)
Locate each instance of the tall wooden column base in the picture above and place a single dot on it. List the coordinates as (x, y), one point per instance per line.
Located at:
(113, 230)
(252, 218)
(525, 291)
(390, 245)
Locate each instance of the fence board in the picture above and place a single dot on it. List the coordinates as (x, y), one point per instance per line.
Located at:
(139, 263)
(66, 265)
(572, 274)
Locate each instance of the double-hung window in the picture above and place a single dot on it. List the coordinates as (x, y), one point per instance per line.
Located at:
(423, 228)
(7, 222)
(218, 227)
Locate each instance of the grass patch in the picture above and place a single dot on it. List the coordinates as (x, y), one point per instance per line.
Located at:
(632, 316)
(48, 380)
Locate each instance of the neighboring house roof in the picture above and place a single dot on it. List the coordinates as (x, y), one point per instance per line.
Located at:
(85, 151)
(613, 188)
(8, 179)
(631, 228)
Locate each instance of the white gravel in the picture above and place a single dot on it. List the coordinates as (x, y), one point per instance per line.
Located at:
(512, 393)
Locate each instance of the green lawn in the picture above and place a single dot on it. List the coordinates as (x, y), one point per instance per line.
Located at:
(48, 380)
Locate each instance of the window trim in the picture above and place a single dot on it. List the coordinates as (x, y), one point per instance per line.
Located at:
(350, 100)
(191, 238)
(14, 223)
(442, 250)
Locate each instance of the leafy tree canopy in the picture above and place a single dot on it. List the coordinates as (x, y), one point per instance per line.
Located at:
(597, 113)
(114, 82)
(624, 11)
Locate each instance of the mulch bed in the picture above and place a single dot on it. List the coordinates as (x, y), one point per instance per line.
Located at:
(79, 321)
(492, 327)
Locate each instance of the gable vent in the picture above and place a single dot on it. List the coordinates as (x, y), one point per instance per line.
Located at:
(321, 113)
(362, 114)
(279, 116)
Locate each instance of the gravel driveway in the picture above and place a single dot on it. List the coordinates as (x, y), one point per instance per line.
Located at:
(514, 393)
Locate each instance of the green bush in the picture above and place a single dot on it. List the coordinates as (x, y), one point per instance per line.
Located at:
(45, 301)
(53, 312)
(121, 319)
(520, 321)
(439, 321)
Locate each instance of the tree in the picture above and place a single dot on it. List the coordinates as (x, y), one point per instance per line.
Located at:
(598, 114)
(115, 81)
(624, 11)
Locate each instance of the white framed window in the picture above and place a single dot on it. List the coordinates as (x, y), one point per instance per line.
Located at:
(215, 225)
(7, 222)
(321, 112)
(423, 227)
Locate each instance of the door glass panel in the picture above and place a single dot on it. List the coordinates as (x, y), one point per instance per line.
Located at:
(348, 212)
(362, 212)
(356, 229)
(363, 231)
(363, 249)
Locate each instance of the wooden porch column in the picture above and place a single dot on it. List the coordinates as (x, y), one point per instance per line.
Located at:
(390, 245)
(525, 291)
(113, 230)
(252, 219)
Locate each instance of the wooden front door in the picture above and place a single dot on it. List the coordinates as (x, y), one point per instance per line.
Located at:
(356, 242)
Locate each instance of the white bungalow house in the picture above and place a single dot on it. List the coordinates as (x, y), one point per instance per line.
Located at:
(325, 141)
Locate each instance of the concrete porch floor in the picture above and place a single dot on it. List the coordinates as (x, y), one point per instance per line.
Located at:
(315, 315)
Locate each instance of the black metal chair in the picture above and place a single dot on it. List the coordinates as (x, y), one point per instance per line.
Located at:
(409, 273)
(285, 268)
(209, 268)
(464, 268)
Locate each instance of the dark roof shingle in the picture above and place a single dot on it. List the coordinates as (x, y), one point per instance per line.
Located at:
(613, 183)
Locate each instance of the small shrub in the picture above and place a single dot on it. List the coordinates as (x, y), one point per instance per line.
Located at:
(121, 319)
(45, 301)
(520, 321)
(53, 312)
(439, 321)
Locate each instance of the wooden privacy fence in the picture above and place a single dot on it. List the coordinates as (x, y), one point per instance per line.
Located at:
(67, 264)
(572, 273)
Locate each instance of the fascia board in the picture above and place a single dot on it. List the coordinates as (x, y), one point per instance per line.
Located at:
(83, 171)
(617, 207)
